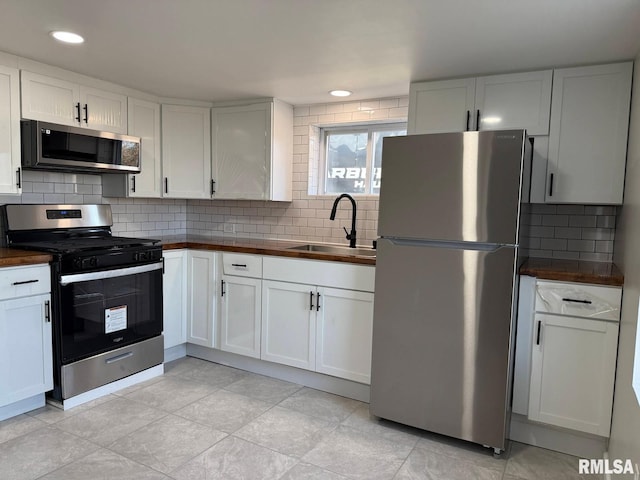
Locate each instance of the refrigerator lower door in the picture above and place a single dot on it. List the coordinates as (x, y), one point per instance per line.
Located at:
(441, 338)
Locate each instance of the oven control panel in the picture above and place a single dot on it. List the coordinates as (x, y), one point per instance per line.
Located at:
(111, 259)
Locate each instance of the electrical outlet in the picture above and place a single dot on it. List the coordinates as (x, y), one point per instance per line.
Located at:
(229, 228)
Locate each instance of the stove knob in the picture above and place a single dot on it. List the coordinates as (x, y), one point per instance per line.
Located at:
(77, 263)
(93, 261)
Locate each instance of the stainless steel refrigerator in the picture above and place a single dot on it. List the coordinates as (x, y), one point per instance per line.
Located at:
(446, 281)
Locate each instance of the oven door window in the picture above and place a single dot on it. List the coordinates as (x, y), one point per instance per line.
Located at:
(98, 315)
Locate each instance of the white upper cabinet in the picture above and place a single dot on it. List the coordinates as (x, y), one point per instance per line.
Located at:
(59, 101)
(10, 173)
(440, 107)
(520, 100)
(144, 122)
(186, 151)
(252, 148)
(588, 134)
(102, 110)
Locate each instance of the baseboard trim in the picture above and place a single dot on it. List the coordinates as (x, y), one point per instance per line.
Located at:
(22, 406)
(175, 352)
(319, 381)
(579, 444)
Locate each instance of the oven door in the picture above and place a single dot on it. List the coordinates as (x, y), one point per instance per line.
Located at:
(107, 309)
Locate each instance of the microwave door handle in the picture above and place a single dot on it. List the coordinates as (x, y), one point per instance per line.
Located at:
(103, 274)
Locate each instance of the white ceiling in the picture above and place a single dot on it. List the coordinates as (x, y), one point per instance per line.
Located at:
(297, 50)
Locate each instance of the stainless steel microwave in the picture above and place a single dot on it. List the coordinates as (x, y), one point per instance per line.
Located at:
(48, 146)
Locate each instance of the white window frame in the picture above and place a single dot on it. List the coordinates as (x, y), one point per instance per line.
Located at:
(370, 129)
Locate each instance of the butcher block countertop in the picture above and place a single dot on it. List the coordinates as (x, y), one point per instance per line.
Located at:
(11, 257)
(581, 271)
(261, 247)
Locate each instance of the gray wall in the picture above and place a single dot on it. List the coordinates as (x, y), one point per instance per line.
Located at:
(625, 429)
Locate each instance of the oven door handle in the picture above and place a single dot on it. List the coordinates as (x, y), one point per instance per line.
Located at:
(103, 274)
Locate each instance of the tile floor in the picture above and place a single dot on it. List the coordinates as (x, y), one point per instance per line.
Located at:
(204, 421)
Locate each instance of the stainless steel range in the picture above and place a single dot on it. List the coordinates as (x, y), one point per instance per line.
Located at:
(106, 293)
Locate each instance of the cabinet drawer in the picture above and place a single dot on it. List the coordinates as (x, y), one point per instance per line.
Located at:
(24, 281)
(579, 300)
(242, 265)
(320, 272)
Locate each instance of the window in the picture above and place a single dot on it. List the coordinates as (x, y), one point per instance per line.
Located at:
(351, 159)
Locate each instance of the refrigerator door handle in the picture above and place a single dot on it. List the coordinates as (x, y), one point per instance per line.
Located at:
(405, 242)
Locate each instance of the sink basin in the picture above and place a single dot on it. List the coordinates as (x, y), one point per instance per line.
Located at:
(335, 249)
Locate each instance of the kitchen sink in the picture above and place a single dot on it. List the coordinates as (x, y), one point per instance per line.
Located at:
(334, 249)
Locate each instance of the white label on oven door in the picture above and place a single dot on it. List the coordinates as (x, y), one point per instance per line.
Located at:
(115, 319)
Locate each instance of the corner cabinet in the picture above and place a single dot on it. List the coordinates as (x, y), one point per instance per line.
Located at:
(10, 169)
(59, 101)
(186, 152)
(174, 293)
(202, 312)
(252, 151)
(144, 122)
(588, 134)
(26, 363)
(573, 355)
(496, 102)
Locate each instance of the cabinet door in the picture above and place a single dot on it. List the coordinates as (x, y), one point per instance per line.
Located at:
(186, 152)
(440, 107)
(241, 151)
(520, 100)
(26, 367)
(50, 99)
(344, 334)
(289, 324)
(240, 315)
(174, 294)
(106, 111)
(201, 305)
(572, 372)
(9, 131)
(588, 134)
(144, 122)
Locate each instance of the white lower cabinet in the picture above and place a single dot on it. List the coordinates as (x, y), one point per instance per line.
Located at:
(289, 323)
(174, 288)
(573, 357)
(240, 313)
(241, 304)
(316, 327)
(26, 367)
(201, 299)
(344, 329)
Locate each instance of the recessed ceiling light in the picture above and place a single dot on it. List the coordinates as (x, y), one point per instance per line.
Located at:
(340, 93)
(67, 37)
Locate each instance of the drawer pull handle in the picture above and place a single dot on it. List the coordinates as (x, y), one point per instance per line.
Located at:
(311, 301)
(222, 288)
(25, 282)
(538, 334)
(47, 311)
(318, 304)
(242, 265)
(118, 358)
(586, 302)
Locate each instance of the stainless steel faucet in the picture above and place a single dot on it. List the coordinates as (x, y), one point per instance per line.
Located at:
(351, 236)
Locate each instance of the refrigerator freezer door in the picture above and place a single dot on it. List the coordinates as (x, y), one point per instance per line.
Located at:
(441, 339)
(452, 186)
